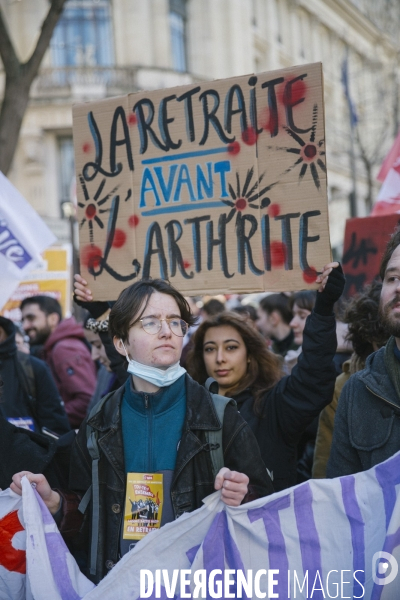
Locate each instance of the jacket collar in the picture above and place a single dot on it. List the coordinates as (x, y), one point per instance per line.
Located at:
(376, 378)
(109, 416)
(200, 415)
(200, 411)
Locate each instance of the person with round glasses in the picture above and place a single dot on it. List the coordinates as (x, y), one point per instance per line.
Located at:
(155, 425)
(152, 325)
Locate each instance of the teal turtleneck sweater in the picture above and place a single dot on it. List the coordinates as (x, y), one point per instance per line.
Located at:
(152, 427)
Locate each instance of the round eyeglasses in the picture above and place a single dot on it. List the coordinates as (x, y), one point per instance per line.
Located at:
(152, 325)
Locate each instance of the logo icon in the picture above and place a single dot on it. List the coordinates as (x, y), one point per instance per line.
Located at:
(381, 574)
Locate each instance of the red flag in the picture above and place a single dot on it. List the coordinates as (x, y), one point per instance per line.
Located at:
(388, 200)
(390, 159)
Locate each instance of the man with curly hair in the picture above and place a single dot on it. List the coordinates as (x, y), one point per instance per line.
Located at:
(367, 424)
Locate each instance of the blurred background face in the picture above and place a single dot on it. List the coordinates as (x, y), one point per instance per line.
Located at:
(298, 322)
(264, 323)
(36, 323)
(225, 356)
(97, 349)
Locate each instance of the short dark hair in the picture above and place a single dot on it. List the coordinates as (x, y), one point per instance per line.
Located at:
(213, 307)
(280, 303)
(47, 304)
(128, 308)
(390, 248)
(304, 299)
(246, 310)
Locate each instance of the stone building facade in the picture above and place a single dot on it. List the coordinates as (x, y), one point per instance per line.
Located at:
(106, 48)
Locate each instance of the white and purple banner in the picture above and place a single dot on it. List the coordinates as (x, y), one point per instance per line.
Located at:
(23, 236)
(322, 539)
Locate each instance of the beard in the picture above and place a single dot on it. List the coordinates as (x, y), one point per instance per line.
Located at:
(39, 337)
(390, 320)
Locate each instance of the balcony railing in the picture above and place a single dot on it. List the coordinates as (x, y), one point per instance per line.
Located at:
(100, 82)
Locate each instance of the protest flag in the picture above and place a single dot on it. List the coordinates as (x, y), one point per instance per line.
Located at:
(12, 547)
(388, 200)
(390, 159)
(346, 87)
(23, 236)
(35, 563)
(320, 539)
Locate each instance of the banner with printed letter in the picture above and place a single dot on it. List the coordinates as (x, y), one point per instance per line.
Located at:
(217, 186)
(23, 236)
(51, 278)
(332, 538)
(365, 240)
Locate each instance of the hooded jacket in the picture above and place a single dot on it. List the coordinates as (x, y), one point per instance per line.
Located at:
(367, 422)
(46, 409)
(73, 369)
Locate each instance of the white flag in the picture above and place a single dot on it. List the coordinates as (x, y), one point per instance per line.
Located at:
(12, 547)
(23, 236)
(333, 538)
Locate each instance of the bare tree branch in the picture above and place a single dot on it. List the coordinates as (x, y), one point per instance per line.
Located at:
(33, 64)
(19, 78)
(8, 56)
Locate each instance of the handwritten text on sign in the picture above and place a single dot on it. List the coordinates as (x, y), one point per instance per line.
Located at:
(215, 186)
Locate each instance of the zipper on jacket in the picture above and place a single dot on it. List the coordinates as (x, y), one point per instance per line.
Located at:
(384, 399)
(148, 407)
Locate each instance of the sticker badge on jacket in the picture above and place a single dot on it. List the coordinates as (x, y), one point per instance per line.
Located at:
(23, 422)
(143, 504)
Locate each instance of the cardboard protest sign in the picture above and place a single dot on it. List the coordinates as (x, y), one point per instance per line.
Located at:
(365, 240)
(218, 186)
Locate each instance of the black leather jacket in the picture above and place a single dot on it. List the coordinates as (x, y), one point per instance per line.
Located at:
(192, 480)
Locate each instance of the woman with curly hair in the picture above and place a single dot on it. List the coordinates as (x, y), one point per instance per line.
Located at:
(367, 334)
(278, 410)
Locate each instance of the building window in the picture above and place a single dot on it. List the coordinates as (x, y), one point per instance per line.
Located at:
(177, 21)
(83, 35)
(66, 172)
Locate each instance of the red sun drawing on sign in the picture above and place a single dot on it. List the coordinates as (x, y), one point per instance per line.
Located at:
(11, 558)
(309, 152)
(244, 197)
(93, 212)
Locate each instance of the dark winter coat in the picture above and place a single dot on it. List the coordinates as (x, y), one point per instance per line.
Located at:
(292, 404)
(73, 369)
(23, 450)
(193, 477)
(367, 422)
(46, 409)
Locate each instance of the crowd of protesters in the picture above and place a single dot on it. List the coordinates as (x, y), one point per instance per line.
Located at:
(141, 381)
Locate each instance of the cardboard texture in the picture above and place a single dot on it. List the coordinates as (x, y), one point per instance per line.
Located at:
(365, 241)
(218, 186)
